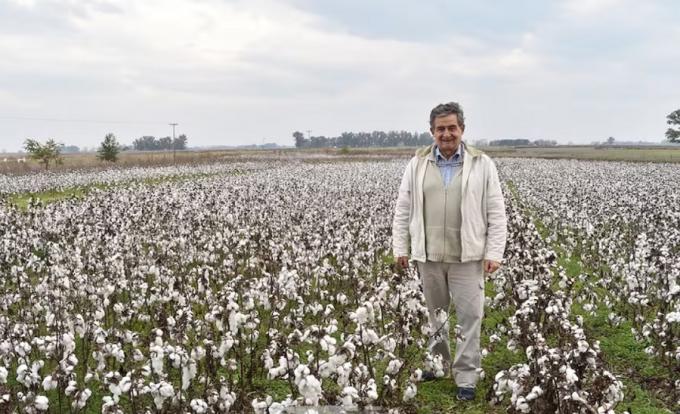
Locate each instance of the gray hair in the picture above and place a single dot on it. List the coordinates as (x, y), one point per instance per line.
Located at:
(449, 108)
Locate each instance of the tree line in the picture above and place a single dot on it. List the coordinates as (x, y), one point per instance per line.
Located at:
(150, 143)
(522, 142)
(364, 139)
(50, 152)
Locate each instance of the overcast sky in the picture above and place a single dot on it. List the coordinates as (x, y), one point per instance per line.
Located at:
(242, 72)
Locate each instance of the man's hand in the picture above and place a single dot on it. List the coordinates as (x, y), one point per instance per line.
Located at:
(491, 266)
(402, 262)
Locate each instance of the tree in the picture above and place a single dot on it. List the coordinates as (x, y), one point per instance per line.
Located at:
(300, 140)
(673, 119)
(145, 143)
(611, 140)
(180, 142)
(45, 153)
(109, 149)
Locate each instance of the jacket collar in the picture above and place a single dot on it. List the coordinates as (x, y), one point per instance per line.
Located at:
(427, 152)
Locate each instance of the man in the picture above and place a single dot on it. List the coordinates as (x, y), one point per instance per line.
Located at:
(450, 217)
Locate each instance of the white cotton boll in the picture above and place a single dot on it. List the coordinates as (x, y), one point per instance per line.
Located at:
(22, 370)
(125, 384)
(389, 344)
(360, 316)
(522, 405)
(41, 403)
(236, 320)
(310, 389)
(188, 374)
(260, 407)
(393, 367)
(370, 337)
(371, 390)
(410, 391)
(326, 369)
(300, 372)
(118, 308)
(268, 361)
(73, 359)
(82, 399)
(276, 372)
(349, 395)
(438, 366)
(277, 408)
(570, 375)
(328, 344)
(157, 354)
(198, 406)
(137, 355)
(99, 314)
(673, 317)
(68, 343)
(577, 397)
(536, 391)
(198, 353)
(49, 383)
(344, 372)
(225, 346)
(166, 390)
(3, 375)
(71, 387)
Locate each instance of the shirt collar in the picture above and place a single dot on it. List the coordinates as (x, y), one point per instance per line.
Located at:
(458, 155)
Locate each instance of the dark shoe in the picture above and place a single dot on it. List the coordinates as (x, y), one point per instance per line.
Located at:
(466, 394)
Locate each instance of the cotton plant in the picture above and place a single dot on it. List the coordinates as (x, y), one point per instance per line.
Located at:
(623, 225)
(567, 377)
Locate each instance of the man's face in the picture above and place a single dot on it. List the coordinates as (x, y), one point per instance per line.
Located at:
(447, 134)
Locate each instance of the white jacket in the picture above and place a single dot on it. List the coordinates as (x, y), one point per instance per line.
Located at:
(483, 228)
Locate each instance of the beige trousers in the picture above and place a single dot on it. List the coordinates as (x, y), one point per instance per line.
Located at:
(464, 283)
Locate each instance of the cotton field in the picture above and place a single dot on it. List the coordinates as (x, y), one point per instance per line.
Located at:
(262, 286)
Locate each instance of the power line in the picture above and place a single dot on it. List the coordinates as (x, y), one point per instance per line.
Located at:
(89, 121)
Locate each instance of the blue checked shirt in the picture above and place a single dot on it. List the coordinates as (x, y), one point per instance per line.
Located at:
(448, 168)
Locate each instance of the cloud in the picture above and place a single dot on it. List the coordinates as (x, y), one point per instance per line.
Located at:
(588, 8)
(331, 66)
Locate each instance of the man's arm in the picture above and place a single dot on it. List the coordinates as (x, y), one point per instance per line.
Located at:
(400, 224)
(495, 217)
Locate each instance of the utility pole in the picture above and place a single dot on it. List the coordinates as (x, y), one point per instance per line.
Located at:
(174, 151)
(309, 133)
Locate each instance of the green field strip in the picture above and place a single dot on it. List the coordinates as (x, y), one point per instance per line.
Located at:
(22, 200)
